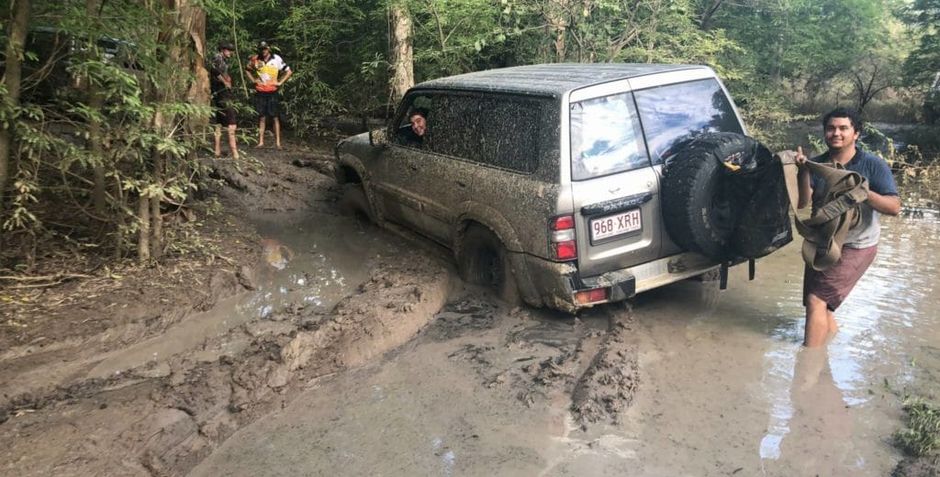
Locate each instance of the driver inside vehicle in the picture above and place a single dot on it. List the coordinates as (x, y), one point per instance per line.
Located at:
(413, 134)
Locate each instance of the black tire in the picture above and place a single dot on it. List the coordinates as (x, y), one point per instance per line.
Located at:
(484, 261)
(353, 201)
(700, 206)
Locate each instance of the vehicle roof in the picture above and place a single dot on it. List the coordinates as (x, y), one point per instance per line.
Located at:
(553, 79)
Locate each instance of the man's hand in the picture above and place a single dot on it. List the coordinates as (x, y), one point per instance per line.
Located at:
(800, 157)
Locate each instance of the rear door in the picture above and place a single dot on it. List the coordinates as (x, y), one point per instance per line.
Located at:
(614, 189)
(673, 114)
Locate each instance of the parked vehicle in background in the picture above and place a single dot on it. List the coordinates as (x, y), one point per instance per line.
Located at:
(544, 180)
(50, 52)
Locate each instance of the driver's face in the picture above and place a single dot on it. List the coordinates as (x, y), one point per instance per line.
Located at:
(419, 125)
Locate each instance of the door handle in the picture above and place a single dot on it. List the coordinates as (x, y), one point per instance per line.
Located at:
(413, 167)
(460, 183)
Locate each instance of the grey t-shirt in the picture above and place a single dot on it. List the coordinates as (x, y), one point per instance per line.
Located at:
(880, 180)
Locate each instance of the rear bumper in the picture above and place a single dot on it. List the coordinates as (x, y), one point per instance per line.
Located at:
(558, 283)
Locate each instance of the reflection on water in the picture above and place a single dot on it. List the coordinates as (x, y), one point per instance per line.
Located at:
(803, 412)
(885, 325)
(310, 261)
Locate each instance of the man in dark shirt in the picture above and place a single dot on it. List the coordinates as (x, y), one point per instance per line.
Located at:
(413, 134)
(221, 85)
(824, 291)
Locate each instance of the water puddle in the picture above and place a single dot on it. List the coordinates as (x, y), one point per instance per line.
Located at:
(311, 261)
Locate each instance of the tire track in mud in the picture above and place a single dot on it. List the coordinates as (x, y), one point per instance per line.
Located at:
(163, 420)
(554, 362)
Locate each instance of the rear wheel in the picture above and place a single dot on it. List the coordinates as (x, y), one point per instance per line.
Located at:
(483, 260)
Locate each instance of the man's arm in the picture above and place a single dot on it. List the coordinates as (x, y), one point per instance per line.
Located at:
(886, 204)
(882, 190)
(287, 74)
(804, 180)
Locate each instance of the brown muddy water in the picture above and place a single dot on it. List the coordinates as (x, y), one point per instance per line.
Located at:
(308, 260)
(725, 387)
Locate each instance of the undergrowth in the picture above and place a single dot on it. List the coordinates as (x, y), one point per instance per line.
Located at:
(921, 436)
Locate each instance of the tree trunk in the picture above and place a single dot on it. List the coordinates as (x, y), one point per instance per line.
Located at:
(13, 77)
(402, 51)
(95, 102)
(709, 14)
(98, 194)
(192, 20)
(557, 23)
(143, 235)
(156, 218)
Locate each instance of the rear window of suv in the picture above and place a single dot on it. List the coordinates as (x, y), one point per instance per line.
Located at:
(606, 137)
(674, 114)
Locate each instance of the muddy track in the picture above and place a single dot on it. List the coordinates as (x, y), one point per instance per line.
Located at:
(165, 422)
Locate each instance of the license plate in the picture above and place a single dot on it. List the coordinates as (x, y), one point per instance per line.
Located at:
(613, 225)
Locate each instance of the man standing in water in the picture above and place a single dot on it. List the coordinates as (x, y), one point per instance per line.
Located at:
(265, 71)
(824, 291)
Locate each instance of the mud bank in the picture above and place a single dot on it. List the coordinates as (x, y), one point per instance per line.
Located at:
(50, 333)
(163, 420)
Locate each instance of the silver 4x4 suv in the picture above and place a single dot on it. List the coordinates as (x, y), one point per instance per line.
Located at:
(543, 180)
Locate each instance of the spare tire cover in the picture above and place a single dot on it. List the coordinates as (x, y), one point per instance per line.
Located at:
(712, 191)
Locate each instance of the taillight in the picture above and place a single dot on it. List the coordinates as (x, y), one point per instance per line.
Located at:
(563, 241)
(591, 296)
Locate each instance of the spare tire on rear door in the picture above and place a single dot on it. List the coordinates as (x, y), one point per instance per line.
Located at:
(723, 196)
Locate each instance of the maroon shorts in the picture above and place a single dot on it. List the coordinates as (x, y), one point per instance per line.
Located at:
(834, 284)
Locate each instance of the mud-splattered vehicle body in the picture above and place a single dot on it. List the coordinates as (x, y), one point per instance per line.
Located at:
(544, 180)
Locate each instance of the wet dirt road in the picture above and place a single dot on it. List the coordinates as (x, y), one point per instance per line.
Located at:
(724, 385)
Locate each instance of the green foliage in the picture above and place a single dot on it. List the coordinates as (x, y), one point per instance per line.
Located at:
(921, 437)
(924, 61)
(119, 100)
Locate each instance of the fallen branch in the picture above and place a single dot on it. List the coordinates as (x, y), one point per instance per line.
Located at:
(57, 276)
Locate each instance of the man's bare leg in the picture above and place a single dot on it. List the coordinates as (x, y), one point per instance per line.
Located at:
(277, 132)
(817, 322)
(261, 129)
(831, 319)
(232, 142)
(218, 140)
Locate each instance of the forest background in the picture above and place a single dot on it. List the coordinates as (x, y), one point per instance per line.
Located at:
(105, 104)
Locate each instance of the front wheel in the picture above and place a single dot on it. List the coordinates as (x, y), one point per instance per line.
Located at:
(354, 201)
(483, 260)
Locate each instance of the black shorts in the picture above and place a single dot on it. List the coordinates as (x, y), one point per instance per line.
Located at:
(224, 112)
(267, 104)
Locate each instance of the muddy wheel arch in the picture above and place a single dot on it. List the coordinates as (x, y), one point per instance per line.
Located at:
(480, 215)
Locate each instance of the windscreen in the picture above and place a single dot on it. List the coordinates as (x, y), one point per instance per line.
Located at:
(674, 114)
(605, 137)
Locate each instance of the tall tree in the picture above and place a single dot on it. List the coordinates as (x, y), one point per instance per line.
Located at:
(401, 48)
(13, 76)
(924, 62)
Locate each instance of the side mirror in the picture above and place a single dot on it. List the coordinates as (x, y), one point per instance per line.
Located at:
(378, 138)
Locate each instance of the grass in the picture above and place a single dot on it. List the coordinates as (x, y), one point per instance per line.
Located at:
(921, 436)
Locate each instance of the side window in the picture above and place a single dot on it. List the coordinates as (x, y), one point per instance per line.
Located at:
(500, 131)
(457, 126)
(414, 127)
(509, 133)
(674, 114)
(606, 137)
